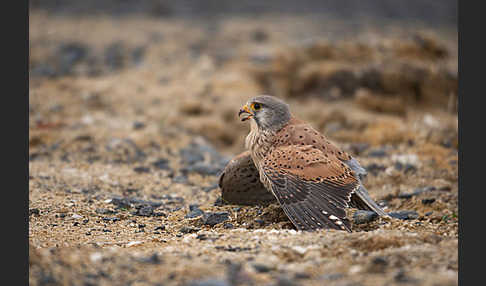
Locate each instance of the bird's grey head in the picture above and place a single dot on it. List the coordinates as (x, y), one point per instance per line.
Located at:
(268, 112)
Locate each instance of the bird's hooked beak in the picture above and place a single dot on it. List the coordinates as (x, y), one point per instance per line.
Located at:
(248, 113)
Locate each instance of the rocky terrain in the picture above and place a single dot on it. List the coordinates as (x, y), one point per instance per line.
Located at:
(132, 119)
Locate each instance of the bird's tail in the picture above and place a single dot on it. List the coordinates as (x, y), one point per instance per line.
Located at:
(362, 193)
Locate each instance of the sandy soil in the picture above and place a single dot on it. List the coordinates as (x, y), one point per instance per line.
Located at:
(131, 121)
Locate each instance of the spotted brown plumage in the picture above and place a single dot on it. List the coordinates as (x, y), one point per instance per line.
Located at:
(312, 179)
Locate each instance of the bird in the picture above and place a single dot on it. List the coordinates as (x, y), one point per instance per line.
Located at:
(312, 179)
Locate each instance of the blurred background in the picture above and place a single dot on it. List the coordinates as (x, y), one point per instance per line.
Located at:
(171, 59)
(139, 99)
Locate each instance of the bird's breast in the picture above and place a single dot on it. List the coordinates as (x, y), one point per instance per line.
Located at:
(259, 144)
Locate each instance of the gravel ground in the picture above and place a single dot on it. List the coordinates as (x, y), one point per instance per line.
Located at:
(132, 120)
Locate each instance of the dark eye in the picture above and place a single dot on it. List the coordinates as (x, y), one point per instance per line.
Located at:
(257, 106)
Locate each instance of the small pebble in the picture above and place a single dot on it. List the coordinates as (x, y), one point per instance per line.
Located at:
(34, 212)
(404, 215)
(228, 225)
(141, 170)
(378, 153)
(161, 164)
(137, 125)
(261, 268)
(214, 218)
(362, 216)
(428, 201)
(188, 229)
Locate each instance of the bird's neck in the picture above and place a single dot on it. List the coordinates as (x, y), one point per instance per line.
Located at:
(259, 142)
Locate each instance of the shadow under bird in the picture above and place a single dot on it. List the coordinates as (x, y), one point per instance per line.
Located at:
(287, 160)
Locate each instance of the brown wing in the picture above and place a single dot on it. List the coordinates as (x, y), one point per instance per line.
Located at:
(300, 133)
(312, 188)
(240, 183)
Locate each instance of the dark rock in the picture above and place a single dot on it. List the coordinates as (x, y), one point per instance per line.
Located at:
(34, 212)
(445, 188)
(209, 188)
(188, 229)
(153, 259)
(161, 164)
(114, 58)
(416, 192)
(134, 202)
(190, 156)
(137, 125)
(214, 218)
(122, 203)
(34, 156)
(125, 151)
(141, 170)
(112, 219)
(362, 216)
(195, 152)
(374, 168)
(402, 277)
(203, 169)
(302, 275)
(428, 201)
(43, 70)
(162, 227)
(259, 36)
(90, 191)
(378, 265)
(85, 138)
(228, 225)
(378, 153)
(407, 168)
(68, 55)
(202, 236)
(261, 268)
(404, 215)
(372, 79)
(104, 211)
(138, 55)
(232, 249)
(359, 148)
(145, 211)
(131, 191)
(194, 211)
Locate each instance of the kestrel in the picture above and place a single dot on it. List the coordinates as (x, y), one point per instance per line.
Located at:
(312, 179)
